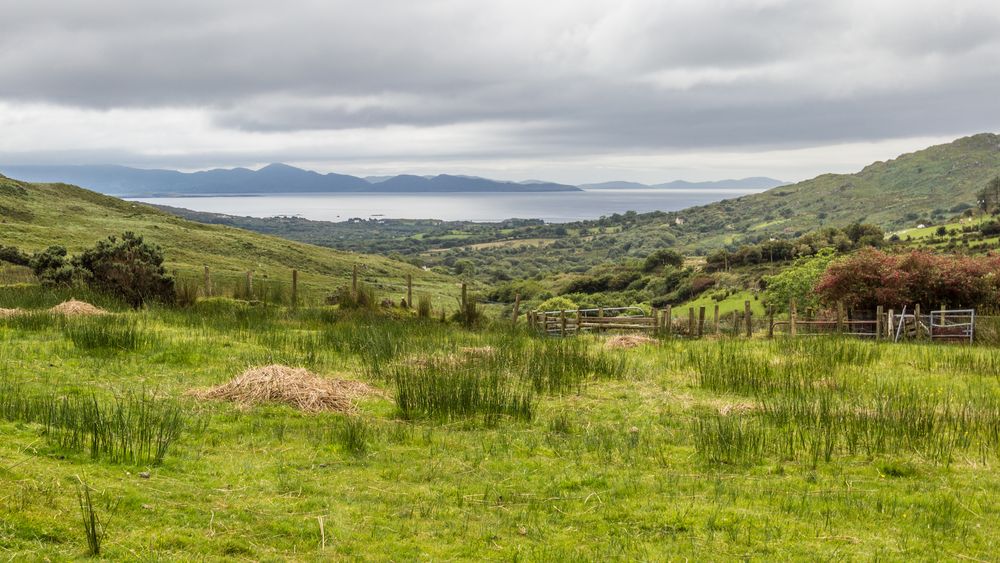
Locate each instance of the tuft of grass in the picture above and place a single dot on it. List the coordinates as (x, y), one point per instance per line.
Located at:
(731, 440)
(354, 434)
(106, 334)
(424, 304)
(444, 391)
(133, 428)
(95, 529)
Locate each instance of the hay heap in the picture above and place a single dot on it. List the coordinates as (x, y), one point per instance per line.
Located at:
(624, 341)
(73, 308)
(7, 313)
(482, 351)
(297, 387)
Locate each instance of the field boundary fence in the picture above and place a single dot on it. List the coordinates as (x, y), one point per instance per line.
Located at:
(940, 325)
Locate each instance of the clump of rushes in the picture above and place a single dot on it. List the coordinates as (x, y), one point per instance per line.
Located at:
(106, 334)
(444, 391)
(424, 306)
(131, 428)
(93, 526)
(353, 434)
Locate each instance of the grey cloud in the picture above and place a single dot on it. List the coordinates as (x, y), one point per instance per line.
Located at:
(599, 76)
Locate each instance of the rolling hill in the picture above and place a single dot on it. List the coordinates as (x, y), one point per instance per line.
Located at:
(34, 216)
(920, 187)
(271, 179)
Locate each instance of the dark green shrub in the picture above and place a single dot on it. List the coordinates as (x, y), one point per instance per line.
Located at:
(14, 255)
(129, 268)
(52, 266)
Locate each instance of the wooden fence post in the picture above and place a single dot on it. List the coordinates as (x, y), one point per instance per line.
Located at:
(792, 317)
(295, 288)
(770, 322)
(250, 283)
(889, 328)
(668, 320)
(749, 317)
(409, 293)
(690, 322)
(354, 281)
(878, 323)
(715, 319)
(916, 322)
(600, 315)
(562, 322)
(656, 321)
(208, 282)
(517, 307)
(701, 321)
(840, 317)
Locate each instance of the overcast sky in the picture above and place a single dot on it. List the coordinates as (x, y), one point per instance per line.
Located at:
(566, 90)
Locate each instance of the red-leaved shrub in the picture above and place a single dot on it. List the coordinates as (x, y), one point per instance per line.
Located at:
(870, 277)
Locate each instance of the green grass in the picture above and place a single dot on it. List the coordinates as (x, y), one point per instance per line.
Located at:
(497, 444)
(735, 302)
(49, 214)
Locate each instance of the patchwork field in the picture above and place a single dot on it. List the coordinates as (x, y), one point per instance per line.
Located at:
(485, 444)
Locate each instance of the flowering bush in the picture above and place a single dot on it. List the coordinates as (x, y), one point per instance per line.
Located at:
(871, 277)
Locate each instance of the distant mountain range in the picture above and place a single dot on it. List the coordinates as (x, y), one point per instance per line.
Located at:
(757, 182)
(285, 179)
(271, 179)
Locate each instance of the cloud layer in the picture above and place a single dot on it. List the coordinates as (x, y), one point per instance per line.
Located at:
(470, 86)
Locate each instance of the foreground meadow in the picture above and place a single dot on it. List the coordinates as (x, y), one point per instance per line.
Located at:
(486, 444)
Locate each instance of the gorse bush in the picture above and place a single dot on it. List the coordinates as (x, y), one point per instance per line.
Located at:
(129, 268)
(53, 266)
(13, 255)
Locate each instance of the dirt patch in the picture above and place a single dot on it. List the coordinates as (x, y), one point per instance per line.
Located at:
(297, 387)
(73, 308)
(7, 313)
(625, 341)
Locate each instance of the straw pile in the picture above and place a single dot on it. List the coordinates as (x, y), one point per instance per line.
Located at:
(7, 313)
(624, 341)
(483, 351)
(76, 308)
(297, 387)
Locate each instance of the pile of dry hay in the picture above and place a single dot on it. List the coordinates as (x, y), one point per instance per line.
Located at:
(628, 341)
(7, 313)
(297, 387)
(74, 308)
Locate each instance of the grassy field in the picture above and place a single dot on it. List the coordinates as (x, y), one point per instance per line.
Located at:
(488, 444)
(733, 303)
(35, 216)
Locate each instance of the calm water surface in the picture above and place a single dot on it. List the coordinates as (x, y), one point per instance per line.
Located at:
(555, 207)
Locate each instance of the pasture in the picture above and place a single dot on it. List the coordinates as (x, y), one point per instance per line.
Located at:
(493, 443)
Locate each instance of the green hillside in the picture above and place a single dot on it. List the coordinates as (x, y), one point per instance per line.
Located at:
(925, 187)
(920, 187)
(34, 216)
